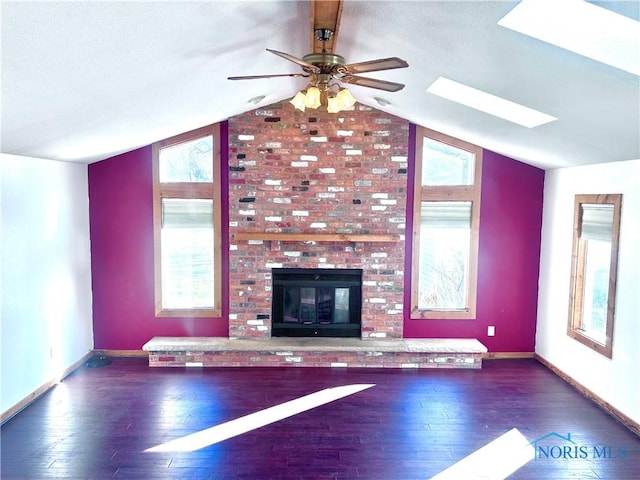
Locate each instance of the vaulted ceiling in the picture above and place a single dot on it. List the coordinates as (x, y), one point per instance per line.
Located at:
(85, 80)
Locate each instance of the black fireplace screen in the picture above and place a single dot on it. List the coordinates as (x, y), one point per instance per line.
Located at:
(316, 302)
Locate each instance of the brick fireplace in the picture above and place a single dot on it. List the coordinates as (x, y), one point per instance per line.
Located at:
(317, 190)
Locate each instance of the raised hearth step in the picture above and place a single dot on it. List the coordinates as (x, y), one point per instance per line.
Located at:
(315, 352)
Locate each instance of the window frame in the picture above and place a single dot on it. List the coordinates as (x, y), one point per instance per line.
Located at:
(446, 193)
(576, 289)
(188, 190)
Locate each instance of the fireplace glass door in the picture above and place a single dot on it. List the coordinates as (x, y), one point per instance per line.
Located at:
(312, 302)
(316, 305)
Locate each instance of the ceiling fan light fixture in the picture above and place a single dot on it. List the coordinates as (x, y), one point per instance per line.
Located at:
(345, 98)
(299, 100)
(333, 105)
(312, 99)
(316, 96)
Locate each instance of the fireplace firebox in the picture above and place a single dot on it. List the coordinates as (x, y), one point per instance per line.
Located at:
(310, 302)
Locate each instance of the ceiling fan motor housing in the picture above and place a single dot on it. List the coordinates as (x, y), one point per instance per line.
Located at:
(325, 61)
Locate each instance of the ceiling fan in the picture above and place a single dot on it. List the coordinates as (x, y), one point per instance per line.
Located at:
(325, 67)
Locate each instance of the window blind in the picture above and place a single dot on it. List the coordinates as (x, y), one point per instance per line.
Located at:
(187, 213)
(446, 215)
(597, 221)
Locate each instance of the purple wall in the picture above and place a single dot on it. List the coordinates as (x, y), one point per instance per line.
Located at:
(509, 255)
(121, 222)
(121, 218)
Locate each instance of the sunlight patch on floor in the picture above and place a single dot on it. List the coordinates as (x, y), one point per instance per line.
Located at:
(495, 461)
(241, 425)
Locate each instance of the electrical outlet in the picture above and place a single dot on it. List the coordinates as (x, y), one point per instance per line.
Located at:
(491, 331)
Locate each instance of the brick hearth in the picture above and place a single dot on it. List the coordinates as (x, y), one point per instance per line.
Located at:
(314, 352)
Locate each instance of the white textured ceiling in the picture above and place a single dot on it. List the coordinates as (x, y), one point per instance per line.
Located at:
(84, 80)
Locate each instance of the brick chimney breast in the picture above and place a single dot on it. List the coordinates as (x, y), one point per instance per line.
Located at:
(347, 175)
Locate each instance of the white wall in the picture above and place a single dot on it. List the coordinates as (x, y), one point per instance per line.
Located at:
(615, 380)
(46, 322)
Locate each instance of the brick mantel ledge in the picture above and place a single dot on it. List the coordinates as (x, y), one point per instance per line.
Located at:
(316, 237)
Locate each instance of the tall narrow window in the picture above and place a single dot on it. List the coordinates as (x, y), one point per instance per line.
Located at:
(186, 191)
(446, 219)
(594, 270)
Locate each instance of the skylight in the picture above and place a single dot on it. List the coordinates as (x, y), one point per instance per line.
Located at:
(582, 28)
(488, 103)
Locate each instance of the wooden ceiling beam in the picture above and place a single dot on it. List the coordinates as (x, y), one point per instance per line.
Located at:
(325, 14)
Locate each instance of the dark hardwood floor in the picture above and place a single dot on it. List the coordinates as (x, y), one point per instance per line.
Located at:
(412, 424)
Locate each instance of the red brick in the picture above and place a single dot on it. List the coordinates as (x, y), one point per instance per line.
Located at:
(275, 163)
